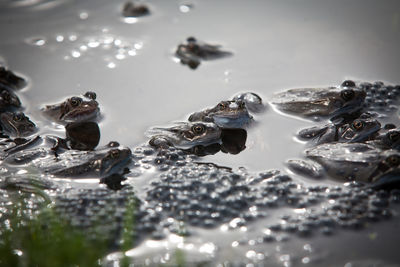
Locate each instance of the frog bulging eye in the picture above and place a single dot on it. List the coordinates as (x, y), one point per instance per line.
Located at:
(222, 106)
(18, 117)
(198, 129)
(348, 83)
(114, 153)
(394, 136)
(75, 101)
(347, 94)
(358, 125)
(91, 95)
(393, 160)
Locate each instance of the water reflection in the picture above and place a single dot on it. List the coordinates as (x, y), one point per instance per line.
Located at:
(232, 141)
(83, 135)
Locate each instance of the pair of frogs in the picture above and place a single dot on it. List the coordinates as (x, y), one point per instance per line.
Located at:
(354, 146)
(219, 128)
(12, 121)
(82, 135)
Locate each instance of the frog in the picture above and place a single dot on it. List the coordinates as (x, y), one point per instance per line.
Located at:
(388, 137)
(194, 51)
(390, 161)
(131, 9)
(185, 135)
(358, 130)
(74, 109)
(8, 99)
(105, 161)
(320, 103)
(17, 124)
(10, 79)
(10, 146)
(347, 161)
(226, 114)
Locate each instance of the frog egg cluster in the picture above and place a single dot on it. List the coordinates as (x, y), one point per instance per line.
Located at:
(349, 208)
(208, 196)
(147, 157)
(105, 212)
(380, 97)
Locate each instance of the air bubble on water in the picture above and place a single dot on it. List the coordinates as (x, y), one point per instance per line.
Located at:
(185, 8)
(37, 41)
(138, 45)
(111, 65)
(59, 38)
(305, 260)
(83, 15)
(108, 40)
(120, 56)
(93, 44)
(75, 53)
(132, 52)
(130, 20)
(251, 254)
(117, 42)
(235, 244)
(72, 37)
(83, 48)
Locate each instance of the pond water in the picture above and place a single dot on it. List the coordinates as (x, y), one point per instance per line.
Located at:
(66, 47)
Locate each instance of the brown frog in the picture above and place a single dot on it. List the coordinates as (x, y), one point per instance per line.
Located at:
(74, 109)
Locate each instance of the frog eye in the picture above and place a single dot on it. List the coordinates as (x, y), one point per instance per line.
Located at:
(114, 153)
(75, 101)
(347, 94)
(113, 144)
(221, 106)
(241, 104)
(393, 160)
(18, 117)
(198, 129)
(91, 95)
(394, 136)
(358, 125)
(348, 83)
